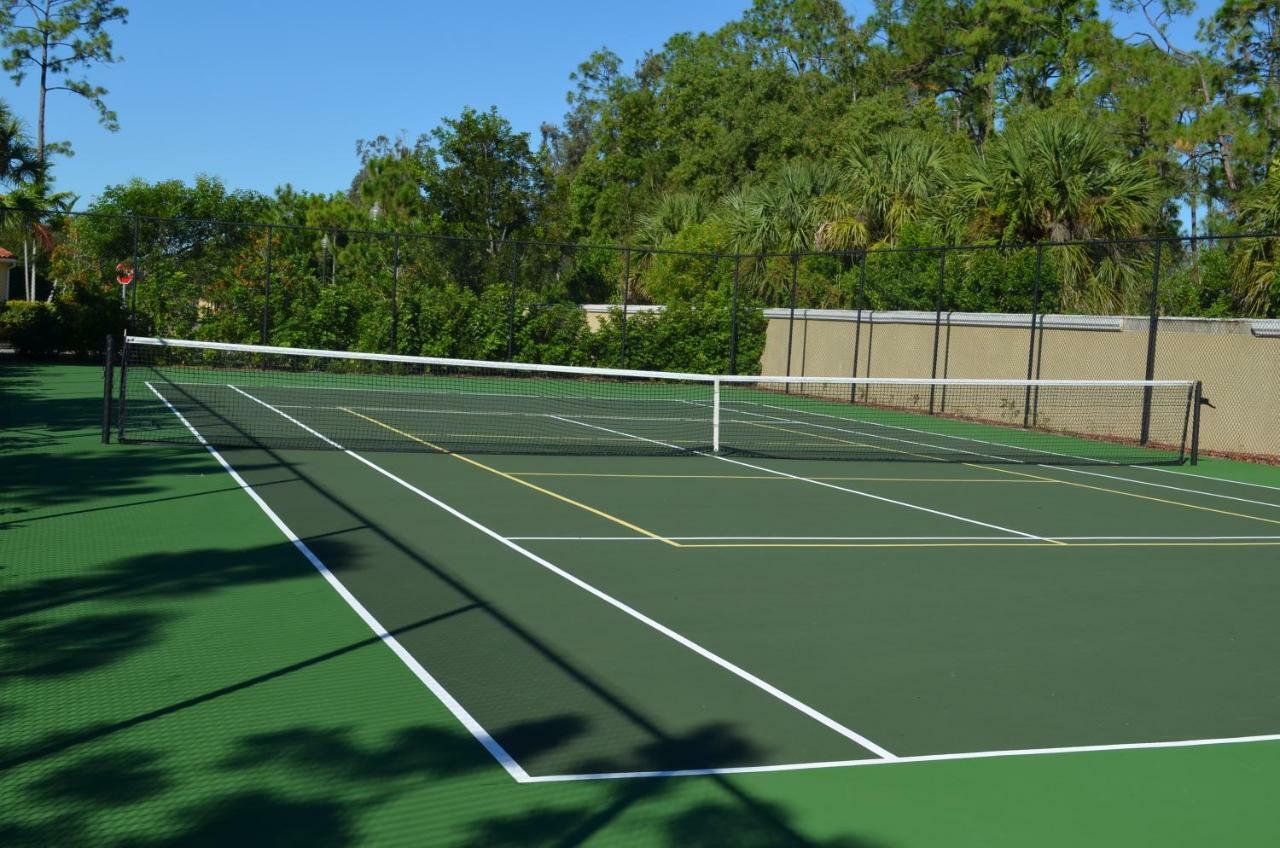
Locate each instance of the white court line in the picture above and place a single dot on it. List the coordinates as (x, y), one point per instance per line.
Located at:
(1070, 469)
(424, 392)
(1163, 486)
(769, 538)
(459, 712)
(822, 483)
(863, 433)
(887, 538)
(922, 758)
(518, 773)
(705, 653)
(1210, 477)
(491, 414)
(920, 432)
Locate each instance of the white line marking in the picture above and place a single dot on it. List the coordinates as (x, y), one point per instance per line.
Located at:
(863, 433)
(886, 538)
(1038, 449)
(604, 596)
(1210, 477)
(494, 413)
(923, 758)
(1163, 486)
(824, 484)
(459, 712)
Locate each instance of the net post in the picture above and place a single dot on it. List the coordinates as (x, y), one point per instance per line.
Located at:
(1197, 400)
(715, 416)
(108, 378)
(1031, 344)
(1152, 329)
(124, 375)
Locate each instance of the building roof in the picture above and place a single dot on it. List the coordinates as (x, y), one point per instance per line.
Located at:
(4, 254)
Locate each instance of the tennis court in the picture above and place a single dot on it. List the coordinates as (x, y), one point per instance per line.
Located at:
(675, 579)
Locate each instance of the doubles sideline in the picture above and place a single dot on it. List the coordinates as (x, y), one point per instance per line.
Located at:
(490, 744)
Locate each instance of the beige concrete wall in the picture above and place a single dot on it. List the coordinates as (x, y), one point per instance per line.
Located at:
(1241, 376)
(1240, 372)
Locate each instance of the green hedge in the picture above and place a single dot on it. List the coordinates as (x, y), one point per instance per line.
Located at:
(65, 325)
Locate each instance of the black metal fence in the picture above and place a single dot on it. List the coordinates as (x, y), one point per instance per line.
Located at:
(1074, 310)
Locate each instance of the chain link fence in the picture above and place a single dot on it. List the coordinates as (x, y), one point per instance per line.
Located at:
(1175, 308)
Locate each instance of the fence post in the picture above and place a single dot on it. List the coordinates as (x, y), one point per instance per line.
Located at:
(1152, 329)
(266, 293)
(511, 306)
(626, 294)
(791, 318)
(857, 327)
(395, 289)
(1031, 345)
(124, 290)
(937, 322)
(733, 321)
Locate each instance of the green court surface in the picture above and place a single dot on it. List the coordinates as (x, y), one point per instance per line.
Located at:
(330, 647)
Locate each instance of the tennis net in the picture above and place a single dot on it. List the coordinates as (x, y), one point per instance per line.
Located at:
(230, 395)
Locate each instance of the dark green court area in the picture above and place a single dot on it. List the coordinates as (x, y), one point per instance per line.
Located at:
(349, 646)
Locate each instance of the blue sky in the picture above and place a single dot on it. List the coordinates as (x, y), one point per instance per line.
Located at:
(278, 92)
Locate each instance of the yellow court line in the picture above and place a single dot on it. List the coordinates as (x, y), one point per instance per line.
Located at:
(776, 477)
(1127, 494)
(597, 512)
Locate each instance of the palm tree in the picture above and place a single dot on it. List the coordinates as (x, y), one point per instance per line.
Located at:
(778, 216)
(1057, 178)
(30, 215)
(1256, 262)
(885, 187)
(19, 163)
(21, 168)
(674, 212)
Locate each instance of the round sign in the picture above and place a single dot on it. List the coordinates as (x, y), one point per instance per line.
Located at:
(124, 273)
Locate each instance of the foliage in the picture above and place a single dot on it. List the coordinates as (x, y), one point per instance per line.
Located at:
(729, 157)
(53, 40)
(77, 322)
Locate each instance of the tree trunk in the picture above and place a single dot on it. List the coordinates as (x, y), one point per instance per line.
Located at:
(44, 93)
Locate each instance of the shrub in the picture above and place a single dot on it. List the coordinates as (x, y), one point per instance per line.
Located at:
(76, 322)
(34, 327)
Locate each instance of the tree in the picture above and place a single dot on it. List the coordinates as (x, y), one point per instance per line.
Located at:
(53, 39)
(1058, 178)
(1244, 36)
(23, 173)
(980, 59)
(482, 177)
(390, 184)
(886, 184)
(1256, 262)
(31, 215)
(1194, 117)
(19, 163)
